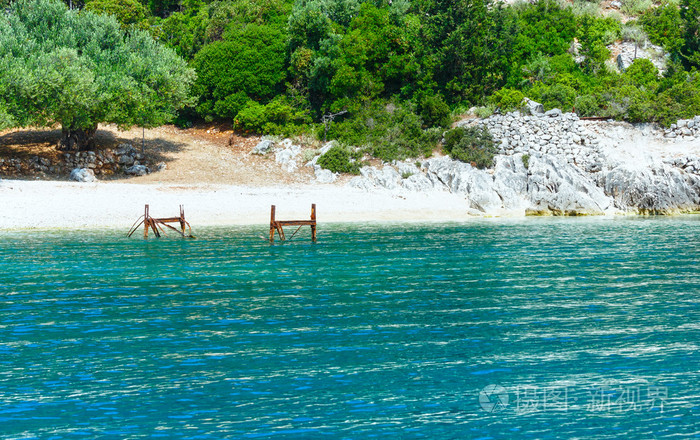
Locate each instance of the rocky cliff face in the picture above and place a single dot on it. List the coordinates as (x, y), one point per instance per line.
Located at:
(556, 164)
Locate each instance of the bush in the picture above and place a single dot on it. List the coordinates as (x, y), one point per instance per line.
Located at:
(338, 160)
(276, 118)
(249, 66)
(127, 12)
(586, 105)
(387, 131)
(484, 112)
(472, 145)
(555, 96)
(635, 7)
(663, 25)
(507, 99)
(435, 112)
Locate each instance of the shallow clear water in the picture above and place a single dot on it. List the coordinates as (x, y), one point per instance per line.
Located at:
(535, 329)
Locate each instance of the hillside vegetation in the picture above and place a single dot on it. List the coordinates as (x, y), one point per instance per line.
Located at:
(400, 70)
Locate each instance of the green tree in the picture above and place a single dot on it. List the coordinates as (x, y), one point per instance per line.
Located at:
(468, 44)
(663, 25)
(690, 16)
(250, 65)
(127, 12)
(79, 69)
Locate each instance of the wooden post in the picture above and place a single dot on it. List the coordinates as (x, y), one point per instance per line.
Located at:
(272, 224)
(145, 223)
(313, 225)
(182, 219)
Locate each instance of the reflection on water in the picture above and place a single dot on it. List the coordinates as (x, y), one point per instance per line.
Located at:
(543, 328)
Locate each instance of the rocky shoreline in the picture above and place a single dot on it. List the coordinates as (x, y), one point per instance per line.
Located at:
(553, 163)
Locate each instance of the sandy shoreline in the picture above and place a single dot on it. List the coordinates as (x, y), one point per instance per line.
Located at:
(52, 204)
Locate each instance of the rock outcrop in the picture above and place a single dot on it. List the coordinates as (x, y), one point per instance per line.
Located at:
(83, 175)
(552, 164)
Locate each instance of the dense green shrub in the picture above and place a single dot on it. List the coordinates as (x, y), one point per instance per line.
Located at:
(680, 101)
(339, 160)
(388, 131)
(250, 66)
(594, 34)
(507, 99)
(664, 27)
(690, 50)
(472, 145)
(587, 105)
(127, 12)
(557, 95)
(435, 112)
(277, 117)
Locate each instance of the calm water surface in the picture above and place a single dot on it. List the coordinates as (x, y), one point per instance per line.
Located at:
(534, 329)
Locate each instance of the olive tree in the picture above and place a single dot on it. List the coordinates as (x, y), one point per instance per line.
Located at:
(78, 69)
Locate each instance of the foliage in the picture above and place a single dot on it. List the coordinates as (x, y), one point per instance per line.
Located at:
(396, 68)
(388, 131)
(690, 18)
(663, 25)
(635, 7)
(680, 101)
(526, 160)
(80, 69)
(435, 112)
(472, 145)
(484, 111)
(339, 160)
(507, 99)
(587, 105)
(469, 46)
(594, 34)
(248, 66)
(557, 95)
(277, 117)
(127, 12)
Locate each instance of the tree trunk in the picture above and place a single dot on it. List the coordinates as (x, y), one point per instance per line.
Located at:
(77, 139)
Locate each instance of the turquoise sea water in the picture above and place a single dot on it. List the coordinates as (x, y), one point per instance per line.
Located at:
(533, 329)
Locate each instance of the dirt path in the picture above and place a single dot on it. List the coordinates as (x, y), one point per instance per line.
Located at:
(200, 155)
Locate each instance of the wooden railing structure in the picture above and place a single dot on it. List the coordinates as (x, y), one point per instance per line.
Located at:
(277, 225)
(157, 224)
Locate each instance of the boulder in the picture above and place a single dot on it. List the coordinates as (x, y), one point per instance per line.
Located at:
(263, 147)
(406, 169)
(555, 187)
(657, 189)
(462, 178)
(553, 113)
(83, 175)
(286, 157)
(127, 149)
(126, 159)
(387, 177)
(361, 182)
(418, 182)
(137, 170)
(324, 176)
(510, 182)
(533, 108)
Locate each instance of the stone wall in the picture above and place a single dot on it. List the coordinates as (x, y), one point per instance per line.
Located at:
(687, 129)
(552, 133)
(124, 159)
